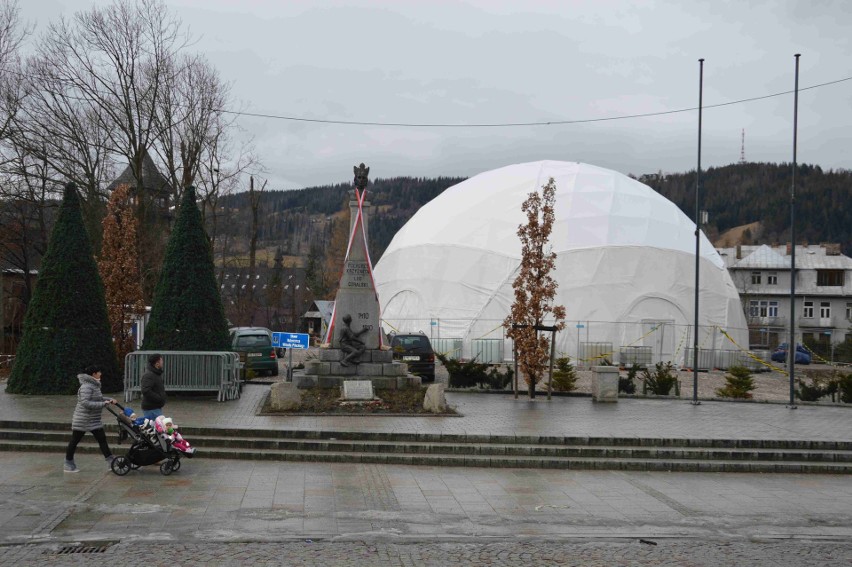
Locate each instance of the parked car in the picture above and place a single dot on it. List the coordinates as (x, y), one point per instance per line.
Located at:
(255, 347)
(802, 355)
(416, 351)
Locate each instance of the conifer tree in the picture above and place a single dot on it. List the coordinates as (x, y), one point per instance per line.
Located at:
(119, 269)
(187, 313)
(66, 326)
(534, 287)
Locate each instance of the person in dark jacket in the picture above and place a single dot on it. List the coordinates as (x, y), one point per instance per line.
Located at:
(87, 417)
(153, 389)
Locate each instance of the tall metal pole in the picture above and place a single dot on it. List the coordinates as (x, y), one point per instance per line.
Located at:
(697, 236)
(791, 343)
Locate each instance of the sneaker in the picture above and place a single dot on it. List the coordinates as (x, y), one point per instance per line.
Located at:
(109, 461)
(69, 466)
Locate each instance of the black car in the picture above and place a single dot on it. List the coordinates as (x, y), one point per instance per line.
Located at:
(416, 351)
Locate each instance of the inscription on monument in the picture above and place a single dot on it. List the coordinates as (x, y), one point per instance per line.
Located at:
(356, 276)
(357, 390)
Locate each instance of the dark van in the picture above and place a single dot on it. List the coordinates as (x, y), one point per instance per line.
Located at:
(255, 347)
(416, 351)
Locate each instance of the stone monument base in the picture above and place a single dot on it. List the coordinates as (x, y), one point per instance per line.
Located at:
(377, 366)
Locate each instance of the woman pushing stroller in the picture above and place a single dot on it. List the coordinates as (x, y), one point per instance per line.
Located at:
(87, 417)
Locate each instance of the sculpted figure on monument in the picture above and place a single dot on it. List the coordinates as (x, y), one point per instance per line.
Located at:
(361, 173)
(350, 343)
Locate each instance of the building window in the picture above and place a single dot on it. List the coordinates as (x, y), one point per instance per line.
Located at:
(773, 309)
(808, 312)
(755, 278)
(772, 278)
(752, 308)
(825, 309)
(849, 311)
(832, 278)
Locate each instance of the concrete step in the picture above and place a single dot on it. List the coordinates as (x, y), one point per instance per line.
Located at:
(482, 449)
(670, 442)
(480, 460)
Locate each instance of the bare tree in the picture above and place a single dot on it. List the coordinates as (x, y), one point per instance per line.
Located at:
(12, 36)
(534, 287)
(190, 118)
(117, 58)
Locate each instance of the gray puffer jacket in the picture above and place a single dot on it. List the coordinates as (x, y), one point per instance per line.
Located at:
(90, 405)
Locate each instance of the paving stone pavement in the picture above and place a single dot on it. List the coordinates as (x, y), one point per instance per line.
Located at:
(521, 553)
(239, 512)
(500, 415)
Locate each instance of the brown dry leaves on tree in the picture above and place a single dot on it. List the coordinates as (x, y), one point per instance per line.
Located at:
(119, 269)
(535, 288)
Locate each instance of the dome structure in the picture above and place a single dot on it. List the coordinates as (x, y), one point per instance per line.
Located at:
(625, 266)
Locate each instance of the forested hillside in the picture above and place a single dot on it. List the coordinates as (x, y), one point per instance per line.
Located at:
(739, 194)
(301, 220)
(301, 223)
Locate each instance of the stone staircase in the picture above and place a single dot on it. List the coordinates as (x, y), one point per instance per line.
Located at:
(604, 453)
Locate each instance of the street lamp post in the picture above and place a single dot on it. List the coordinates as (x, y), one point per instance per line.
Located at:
(791, 343)
(697, 237)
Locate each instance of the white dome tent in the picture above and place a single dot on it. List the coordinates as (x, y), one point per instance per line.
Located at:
(625, 267)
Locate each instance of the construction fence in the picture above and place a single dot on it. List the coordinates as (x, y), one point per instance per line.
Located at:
(591, 343)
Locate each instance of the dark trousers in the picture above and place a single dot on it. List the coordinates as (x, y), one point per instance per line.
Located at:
(76, 436)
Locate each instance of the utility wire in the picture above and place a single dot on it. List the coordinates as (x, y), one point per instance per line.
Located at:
(515, 124)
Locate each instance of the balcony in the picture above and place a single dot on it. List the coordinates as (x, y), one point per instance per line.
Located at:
(767, 322)
(815, 322)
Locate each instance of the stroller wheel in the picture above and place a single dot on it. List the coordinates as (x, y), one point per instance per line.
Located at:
(121, 466)
(166, 467)
(176, 465)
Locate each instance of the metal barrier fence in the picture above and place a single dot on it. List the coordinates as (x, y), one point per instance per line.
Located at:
(451, 348)
(187, 371)
(487, 351)
(639, 355)
(587, 343)
(725, 359)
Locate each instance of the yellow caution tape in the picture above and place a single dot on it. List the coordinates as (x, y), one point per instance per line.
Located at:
(752, 356)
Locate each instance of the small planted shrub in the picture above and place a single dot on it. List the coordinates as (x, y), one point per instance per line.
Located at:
(496, 380)
(844, 388)
(464, 374)
(739, 384)
(661, 381)
(811, 392)
(564, 375)
(627, 384)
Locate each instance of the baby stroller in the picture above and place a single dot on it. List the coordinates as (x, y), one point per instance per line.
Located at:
(148, 447)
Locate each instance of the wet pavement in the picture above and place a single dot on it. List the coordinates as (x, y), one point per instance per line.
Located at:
(237, 512)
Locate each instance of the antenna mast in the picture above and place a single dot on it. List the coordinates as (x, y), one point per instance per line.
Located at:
(742, 148)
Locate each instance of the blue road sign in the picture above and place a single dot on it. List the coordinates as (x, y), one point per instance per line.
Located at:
(580, 326)
(290, 340)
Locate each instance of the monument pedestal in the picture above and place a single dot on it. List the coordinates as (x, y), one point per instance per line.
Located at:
(377, 366)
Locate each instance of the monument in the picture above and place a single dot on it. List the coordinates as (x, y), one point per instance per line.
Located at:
(353, 347)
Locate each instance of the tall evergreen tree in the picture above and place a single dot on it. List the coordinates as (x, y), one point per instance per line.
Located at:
(187, 311)
(66, 326)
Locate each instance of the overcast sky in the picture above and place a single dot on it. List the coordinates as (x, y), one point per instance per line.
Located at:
(493, 61)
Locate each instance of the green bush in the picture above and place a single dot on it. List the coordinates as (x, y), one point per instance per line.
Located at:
(661, 381)
(464, 374)
(496, 380)
(564, 376)
(627, 385)
(811, 392)
(739, 383)
(844, 387)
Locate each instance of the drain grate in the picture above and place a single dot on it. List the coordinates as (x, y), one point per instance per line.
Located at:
(69, 549)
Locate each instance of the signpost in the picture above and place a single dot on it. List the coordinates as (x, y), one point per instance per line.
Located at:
(290, 341)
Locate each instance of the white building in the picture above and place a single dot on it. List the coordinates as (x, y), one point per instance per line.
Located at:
(823, 307)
